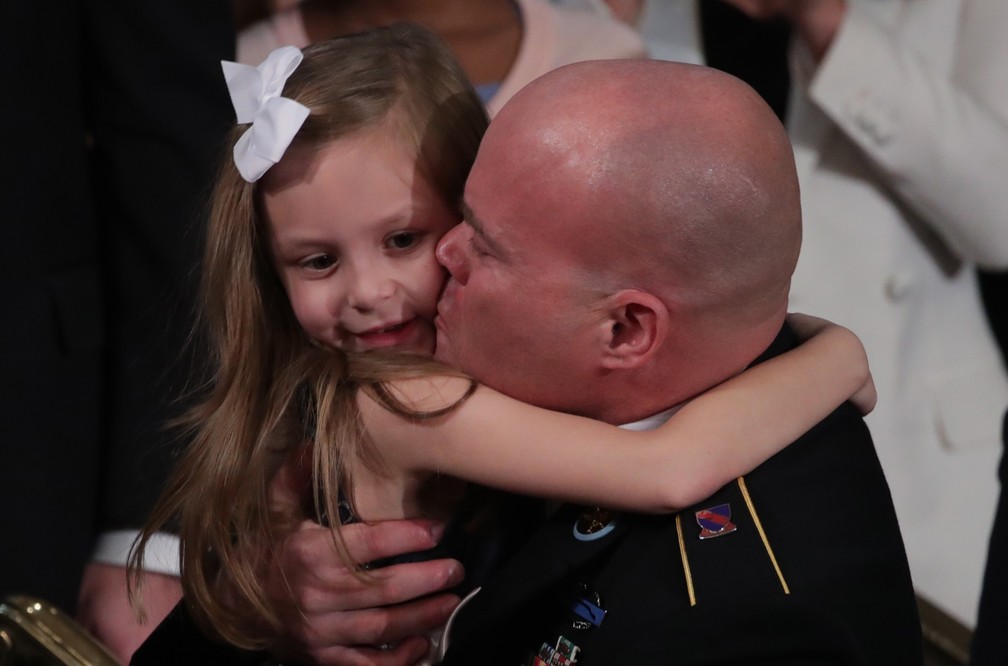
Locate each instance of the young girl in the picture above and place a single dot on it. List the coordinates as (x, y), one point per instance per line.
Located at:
(321, 245)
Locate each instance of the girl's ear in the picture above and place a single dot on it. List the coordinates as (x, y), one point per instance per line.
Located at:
(636, 325)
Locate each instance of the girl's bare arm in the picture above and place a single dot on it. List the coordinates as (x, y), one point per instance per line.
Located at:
(724, 433)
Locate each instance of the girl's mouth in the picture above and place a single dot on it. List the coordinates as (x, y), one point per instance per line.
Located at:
(394, 335)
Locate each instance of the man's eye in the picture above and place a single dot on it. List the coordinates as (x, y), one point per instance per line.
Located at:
(475, 248)
(402, 240)
(319, 262)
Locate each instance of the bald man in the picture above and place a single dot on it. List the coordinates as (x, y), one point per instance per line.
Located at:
(631, 229)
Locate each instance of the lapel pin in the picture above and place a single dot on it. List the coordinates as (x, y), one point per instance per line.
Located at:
(594, 524)
(715, 521)
(562, 653)
(586, 608)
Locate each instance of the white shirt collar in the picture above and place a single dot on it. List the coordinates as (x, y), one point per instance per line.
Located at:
(653, 421)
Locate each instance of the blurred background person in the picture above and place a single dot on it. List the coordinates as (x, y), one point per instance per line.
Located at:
(53, 334)
(501, 44)
(118, 115)
(157, 113)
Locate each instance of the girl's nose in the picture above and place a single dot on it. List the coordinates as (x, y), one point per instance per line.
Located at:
(369, 286)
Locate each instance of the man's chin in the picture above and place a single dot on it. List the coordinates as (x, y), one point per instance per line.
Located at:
(448, 353)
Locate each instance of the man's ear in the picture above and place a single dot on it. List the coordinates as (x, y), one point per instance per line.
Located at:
(636, 325)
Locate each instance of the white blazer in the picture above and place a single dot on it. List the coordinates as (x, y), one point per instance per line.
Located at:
(901, 141)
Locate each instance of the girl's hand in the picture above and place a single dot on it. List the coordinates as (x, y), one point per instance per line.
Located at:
(807, 326)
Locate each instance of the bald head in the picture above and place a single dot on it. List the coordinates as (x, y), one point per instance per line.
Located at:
(677, 178)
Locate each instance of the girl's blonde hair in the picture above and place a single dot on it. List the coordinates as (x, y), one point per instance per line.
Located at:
(272, 388)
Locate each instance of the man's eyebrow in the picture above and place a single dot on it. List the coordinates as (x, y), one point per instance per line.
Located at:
(470, 218)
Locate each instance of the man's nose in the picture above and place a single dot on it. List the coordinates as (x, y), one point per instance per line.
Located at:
(451, 252)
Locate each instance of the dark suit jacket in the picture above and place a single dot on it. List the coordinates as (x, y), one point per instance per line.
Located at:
(816, 518)
(158, 114)
(51, 337)
(990, 641)
(112, 113)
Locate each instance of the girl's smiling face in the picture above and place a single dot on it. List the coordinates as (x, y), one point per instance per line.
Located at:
(353, 228)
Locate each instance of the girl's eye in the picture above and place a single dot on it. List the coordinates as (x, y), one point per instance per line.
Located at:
(402, 240)
(319, 262)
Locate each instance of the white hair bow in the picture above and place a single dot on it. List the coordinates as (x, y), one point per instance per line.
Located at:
(255, 94)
